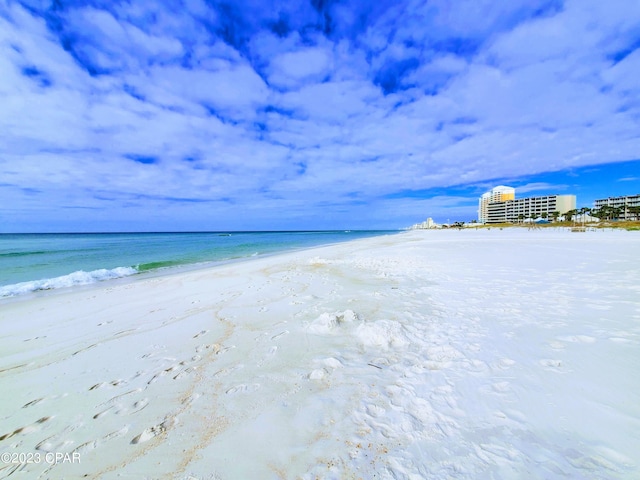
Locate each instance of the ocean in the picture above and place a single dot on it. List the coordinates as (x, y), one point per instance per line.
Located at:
(33, 262)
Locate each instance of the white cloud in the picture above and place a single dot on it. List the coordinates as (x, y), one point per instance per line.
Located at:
(234, 89)
(281, 111)
(540, 187)
(332, 101)
(290, 69)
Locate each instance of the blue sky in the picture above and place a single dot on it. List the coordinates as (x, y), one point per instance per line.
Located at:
(253, 115)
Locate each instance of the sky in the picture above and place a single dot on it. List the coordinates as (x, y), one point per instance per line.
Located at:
(206, 115)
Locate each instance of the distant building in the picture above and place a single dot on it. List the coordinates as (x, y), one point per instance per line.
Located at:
(620, 202)
(500, 206)
(500, 193)
(496, 212)
(535, 207)
(428, 223)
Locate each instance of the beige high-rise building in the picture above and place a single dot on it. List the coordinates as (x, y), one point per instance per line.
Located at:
(537, 207)
(514, 211)
(499, 205)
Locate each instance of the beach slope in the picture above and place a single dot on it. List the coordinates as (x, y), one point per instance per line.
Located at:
(427, 354)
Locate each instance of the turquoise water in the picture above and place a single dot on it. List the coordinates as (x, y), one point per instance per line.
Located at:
(31, 262)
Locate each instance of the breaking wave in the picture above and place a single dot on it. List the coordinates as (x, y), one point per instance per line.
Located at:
(76, 278)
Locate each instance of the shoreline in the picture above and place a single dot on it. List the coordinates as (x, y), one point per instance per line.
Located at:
(412, 354)
(189, 267)
(162, 271)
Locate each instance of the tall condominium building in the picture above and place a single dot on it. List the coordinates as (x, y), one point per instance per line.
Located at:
(512, 211)
(621, 202)
(500, 193)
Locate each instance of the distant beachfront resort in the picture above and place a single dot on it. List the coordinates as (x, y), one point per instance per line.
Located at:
(500, 206)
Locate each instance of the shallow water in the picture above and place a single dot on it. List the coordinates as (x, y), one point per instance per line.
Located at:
(30, 262)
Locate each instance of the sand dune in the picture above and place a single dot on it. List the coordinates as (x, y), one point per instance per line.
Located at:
(466, 354)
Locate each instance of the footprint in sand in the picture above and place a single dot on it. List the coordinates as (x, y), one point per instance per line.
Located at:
(148, 434)
(501, 387)
(34, 338)
(578, 339)
(120, 408)
(33, 402)
(97, 385)
(557, 345)
(268, 356)
(35, 426)
(242, 388)
(476, 366)
(93, 444)
(226, 371)
(606, 459)
(505, 363)
(375, 410)
(496, 388)
(281, 334)
(214, 347)
(102, 413)
(551, 364)
(84, 349)
(164, 372)
(184, 373)
(139, 405)
(57, 442)
(117, 401)
(125, 332)
(154, 431)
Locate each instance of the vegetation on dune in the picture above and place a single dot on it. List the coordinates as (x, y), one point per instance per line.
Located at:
(631, 225)
(607, 216)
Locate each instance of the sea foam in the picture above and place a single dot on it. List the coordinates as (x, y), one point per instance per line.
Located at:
(76, 278)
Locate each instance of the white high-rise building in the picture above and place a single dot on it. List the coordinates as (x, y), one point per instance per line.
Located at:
(428, 223)
(500, 193)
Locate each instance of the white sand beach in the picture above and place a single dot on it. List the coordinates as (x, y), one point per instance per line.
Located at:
(502, 354)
